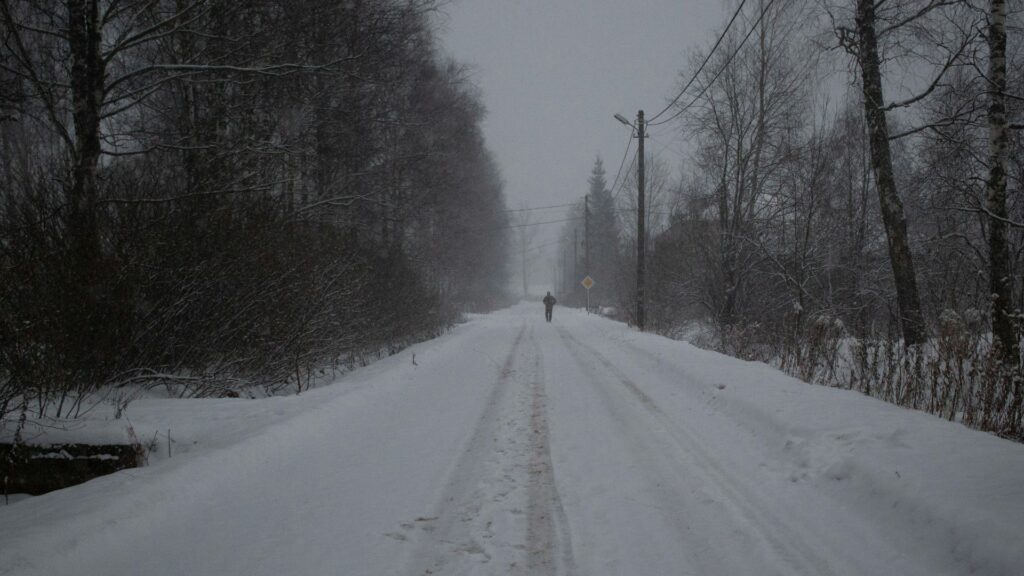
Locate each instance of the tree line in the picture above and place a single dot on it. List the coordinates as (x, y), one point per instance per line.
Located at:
(212, 196)
(850, 207)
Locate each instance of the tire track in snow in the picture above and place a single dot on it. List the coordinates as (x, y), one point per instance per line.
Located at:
(790, 547)
(548, 542)
(658, 489)
(450, 540)
(499, 510)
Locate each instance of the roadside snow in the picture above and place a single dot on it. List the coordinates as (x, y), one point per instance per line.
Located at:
(881, 489)
(514, 446)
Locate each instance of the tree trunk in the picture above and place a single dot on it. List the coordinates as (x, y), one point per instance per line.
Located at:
(999, 254)
(911, 318)
(91, 334)
(87, 93)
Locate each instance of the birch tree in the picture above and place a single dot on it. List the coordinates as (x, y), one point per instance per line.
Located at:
(1000, 281)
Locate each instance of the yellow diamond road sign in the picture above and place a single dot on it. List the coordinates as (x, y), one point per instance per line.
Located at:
(588, 282)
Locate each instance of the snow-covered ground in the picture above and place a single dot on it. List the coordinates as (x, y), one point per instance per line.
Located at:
(514, 446)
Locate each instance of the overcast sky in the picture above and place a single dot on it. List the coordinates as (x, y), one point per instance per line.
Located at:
(553, 72)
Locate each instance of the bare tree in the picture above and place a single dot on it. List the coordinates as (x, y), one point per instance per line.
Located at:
(750, 105)
(208, 195)
(878, 26)
(1000, 281)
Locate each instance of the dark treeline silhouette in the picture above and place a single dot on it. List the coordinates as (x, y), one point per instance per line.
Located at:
(210, 195)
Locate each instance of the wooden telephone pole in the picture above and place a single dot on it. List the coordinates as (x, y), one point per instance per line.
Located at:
(586, 243)
(641, 233)
(575, 263)
(640, 223)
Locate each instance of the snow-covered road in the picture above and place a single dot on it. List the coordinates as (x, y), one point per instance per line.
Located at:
(514, 446)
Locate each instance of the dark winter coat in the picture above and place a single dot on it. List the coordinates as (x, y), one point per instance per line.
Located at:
(549, 301)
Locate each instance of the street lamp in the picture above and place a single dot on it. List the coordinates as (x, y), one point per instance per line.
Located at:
(640, 240)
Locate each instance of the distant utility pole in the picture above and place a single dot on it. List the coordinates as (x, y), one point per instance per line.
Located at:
(641, 235)
(586, 242)
(586, 235)
(565, 272)
(575, 261)
(640, 232)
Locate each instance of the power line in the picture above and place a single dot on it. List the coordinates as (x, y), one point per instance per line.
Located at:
(623, 183)
(722, 69)
(530, 209)
(495, 228)
(615, 182)
(663, 146)
(702, 64)
(661, 212)
(542, 246)
(540, 223)
(526, 209)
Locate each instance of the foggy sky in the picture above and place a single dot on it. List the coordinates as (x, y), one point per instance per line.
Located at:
(553, 72)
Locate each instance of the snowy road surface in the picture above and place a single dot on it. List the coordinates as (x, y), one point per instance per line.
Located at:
(514, 446)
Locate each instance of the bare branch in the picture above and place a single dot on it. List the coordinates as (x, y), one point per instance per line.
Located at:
(924, 11)
(32, 75)
(151, 34)
(269, 70)
(984, 210)
(225, 192)
(935, 81)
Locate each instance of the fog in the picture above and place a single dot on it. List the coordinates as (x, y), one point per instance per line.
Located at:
(552, 74)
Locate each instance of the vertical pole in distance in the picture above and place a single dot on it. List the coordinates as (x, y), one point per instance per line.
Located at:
(565, 273)
(640, 222)
(586, 243)
(575, 264)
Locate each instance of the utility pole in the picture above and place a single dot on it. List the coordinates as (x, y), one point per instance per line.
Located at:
(586, 242)
(575, 262)
(640, 232)
(565, 273)
(586, 235)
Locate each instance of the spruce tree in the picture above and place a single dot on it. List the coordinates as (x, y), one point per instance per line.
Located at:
(604, 237)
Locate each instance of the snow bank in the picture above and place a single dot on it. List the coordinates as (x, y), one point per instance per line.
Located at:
(918, 477)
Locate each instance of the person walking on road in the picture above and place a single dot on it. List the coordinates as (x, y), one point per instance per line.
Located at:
(549, 305)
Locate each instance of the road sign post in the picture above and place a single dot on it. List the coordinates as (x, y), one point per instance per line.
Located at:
(588, 283)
